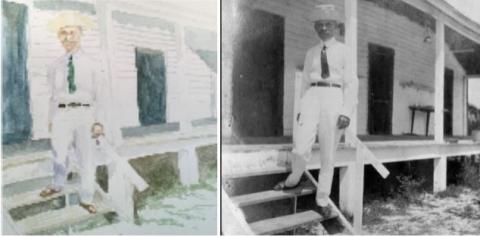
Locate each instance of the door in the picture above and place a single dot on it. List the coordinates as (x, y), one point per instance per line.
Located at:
(448, 102)
(380, 87)
(151, 88)
(16, 117)
(258, 75)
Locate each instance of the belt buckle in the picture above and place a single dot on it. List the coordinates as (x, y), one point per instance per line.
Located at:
(73, 105)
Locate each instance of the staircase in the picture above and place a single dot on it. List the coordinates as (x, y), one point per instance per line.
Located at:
(24, 178)
(25, 172)
(279, 224)
(258, 165)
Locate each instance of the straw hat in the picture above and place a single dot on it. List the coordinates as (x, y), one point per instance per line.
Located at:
(70, 18)
(325, 12)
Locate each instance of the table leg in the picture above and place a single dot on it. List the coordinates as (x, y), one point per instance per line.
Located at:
(412, 121)
(428, 122)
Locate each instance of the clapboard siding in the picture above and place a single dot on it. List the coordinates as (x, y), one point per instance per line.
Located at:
(414, 61)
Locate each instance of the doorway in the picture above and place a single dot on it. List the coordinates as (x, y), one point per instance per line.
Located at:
(258, 68)
(448, 103)
(151, 88)
(16, 116)
(380, 89)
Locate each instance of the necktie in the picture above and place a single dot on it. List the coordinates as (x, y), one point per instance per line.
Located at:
(324, 63)
(71, 76)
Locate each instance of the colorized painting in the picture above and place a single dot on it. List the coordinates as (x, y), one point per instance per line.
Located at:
(109, 120)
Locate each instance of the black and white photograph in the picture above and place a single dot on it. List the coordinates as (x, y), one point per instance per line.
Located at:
(350, 117)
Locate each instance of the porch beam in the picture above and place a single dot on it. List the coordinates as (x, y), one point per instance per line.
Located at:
(250, 160)
(439, 78)
(440, 174)
(351, 39)
(229, 16)
(347, 183)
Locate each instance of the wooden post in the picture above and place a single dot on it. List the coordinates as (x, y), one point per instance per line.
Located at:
(188, 165)
(296, 100)
(358, 190)
(439, 78)
(351, 24)
(229, 14)
(185, 122)
(440, 174)
(347, 184)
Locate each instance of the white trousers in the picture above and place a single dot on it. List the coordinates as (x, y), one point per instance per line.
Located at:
(319, 111)
(71, 129)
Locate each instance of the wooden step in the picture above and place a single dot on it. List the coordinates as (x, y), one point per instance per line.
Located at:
(271, 195)
(33, 197)
(26, 172)
(58, 218)
(284, 223)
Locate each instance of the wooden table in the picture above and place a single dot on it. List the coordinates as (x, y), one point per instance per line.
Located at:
(423, 108)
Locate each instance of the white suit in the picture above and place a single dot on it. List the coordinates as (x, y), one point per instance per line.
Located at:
(71, 125)
(320, 107)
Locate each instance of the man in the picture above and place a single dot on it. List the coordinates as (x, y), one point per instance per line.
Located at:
(75, 105)
(328, 99)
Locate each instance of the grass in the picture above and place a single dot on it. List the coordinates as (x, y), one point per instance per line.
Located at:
(373, 212)
(452, 191)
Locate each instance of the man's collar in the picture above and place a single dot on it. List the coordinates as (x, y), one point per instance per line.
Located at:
(75, 53)
(328, 42)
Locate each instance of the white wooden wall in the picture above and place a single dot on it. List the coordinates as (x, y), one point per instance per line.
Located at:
(414, 61)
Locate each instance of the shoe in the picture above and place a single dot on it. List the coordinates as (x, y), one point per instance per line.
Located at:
(282, 186)
(89, 207)
(47, 192)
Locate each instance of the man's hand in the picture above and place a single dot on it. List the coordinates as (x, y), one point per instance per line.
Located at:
(343, 122)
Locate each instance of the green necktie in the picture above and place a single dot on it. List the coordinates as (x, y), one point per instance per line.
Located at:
(71, 76)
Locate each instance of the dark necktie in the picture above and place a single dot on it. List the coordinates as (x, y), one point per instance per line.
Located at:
(324, 63)
(71, 76)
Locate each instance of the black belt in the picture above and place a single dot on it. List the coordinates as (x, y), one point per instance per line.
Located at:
(325, 84)
(73, 105)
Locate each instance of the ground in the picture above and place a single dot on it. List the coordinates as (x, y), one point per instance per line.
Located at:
(453, 212)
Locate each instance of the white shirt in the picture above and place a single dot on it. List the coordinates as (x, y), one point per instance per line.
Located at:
(89, 85)
(336, 59)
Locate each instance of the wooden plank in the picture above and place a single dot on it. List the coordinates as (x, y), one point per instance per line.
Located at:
(58, 218)
(284, 223)
(32, 197)
(271, 195)
(233, 220)
(336, 211)
(246, 160)
(379, 167)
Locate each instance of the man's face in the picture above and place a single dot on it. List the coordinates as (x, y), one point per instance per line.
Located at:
(70, 37)
(325, 28)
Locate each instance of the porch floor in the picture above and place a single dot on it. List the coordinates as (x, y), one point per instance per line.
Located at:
(365, 138)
